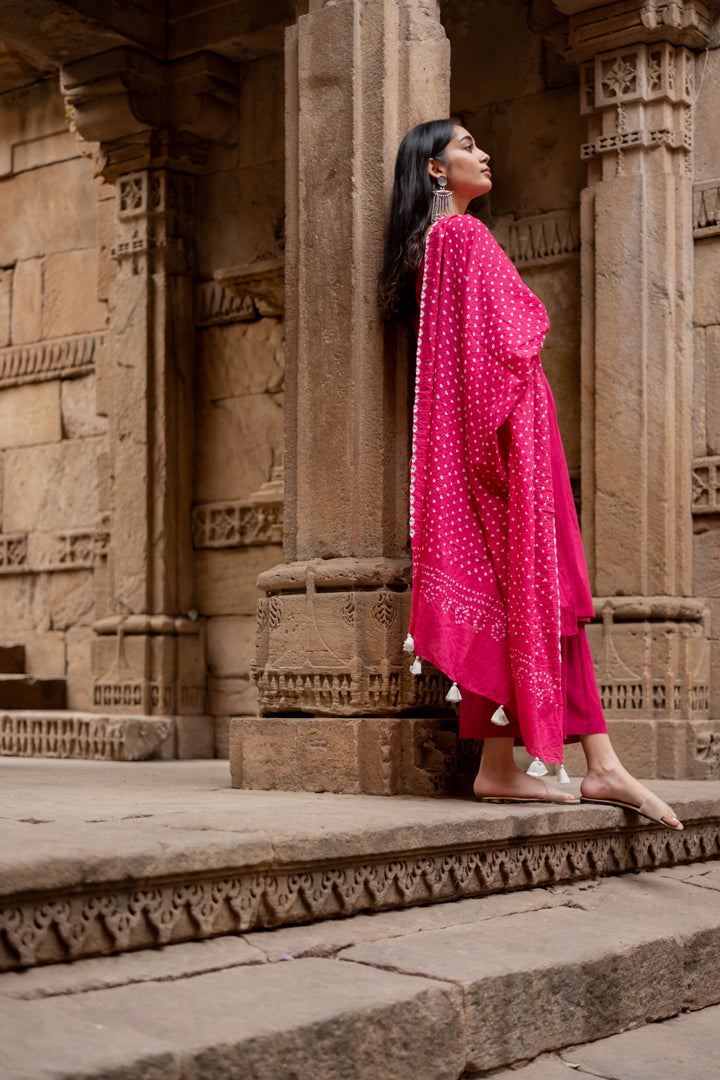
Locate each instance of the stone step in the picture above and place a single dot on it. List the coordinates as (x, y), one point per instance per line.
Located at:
(12, 659)
(104, 857)
(28, 692)
(435, 993)
(87, 736)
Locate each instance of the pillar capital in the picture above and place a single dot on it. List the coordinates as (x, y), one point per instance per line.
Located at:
(599, 27)
(142, 112)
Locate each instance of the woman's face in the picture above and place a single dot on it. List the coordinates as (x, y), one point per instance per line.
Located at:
(465, 166)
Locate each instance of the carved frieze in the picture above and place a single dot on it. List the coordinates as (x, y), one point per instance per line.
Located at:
(215, 305)
(236, 523)
(680, 22)
(542, 239)
(81, 736)
(64, 358)
(706, 209)
(66, 549)
(93, 920)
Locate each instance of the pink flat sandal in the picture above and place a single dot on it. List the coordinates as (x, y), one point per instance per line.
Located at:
(654, 809)
(559, 798)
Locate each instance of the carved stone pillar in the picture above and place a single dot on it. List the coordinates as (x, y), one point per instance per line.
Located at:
(651, 652)
(358, 75)
(148, 120)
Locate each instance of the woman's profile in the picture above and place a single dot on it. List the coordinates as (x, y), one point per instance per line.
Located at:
(500, 587)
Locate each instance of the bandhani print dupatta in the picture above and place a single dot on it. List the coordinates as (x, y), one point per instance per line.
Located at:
(485, 601)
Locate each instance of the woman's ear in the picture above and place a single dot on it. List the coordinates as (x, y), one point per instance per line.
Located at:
(435, 169)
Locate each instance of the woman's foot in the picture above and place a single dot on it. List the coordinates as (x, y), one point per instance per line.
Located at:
(517, 785)
(615, 784)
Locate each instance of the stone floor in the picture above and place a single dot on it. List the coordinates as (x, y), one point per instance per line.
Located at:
(547, 974)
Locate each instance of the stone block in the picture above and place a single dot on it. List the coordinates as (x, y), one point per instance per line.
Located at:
(712, 390)
(241, 358)
(230, 645)
(706, 561)
(706, 138)
(30, 414)
(27, 298)
(78, 403)
(72, 598)
(24, 602)
(707, 281)
(232, 697)
(70, 303)
(194, 737)
(68, 494)
(253, 426)
(44, 653)
(264, 753)
(225, 580)
(222, 736)
(106, 228)
(699, 419)
(635, 743)
(29, 230)
(329, 754)
(78, 644)
(5, 290)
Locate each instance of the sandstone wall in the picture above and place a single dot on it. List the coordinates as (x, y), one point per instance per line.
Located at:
(520, 100)
(51, 344)
(239, 388)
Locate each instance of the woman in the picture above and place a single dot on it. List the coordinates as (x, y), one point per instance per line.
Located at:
(500, 588)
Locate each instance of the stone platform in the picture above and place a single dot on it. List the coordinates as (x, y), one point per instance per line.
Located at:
(107, 857)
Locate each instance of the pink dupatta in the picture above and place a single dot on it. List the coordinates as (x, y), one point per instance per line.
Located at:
(485, 602)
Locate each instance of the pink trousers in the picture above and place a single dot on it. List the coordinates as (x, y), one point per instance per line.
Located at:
(583, 711)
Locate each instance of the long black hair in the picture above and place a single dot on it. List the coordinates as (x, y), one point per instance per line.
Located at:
(410, 214)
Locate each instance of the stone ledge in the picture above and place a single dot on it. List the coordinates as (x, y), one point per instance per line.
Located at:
(214, 863)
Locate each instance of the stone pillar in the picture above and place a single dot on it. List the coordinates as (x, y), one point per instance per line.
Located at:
(148, 120)
(358, 75)
(637, 84)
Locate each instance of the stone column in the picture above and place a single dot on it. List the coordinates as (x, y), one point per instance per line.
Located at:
(358, 74)
(145, 119)
(637, 84)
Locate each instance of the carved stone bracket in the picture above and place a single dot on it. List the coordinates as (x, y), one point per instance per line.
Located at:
(263, 281)
(706, 209)
(64, 358)
(706, 485)
(680, 22)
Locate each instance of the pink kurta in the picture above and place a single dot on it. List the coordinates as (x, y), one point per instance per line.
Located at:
(498, 570)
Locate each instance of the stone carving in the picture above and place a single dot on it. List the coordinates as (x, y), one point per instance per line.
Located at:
(543, 238)
(215, 305)
(706, 485)
(706, 208)
(262, 280)
(121, 917)
(81, 735)
(68, 549)
(679, 22)
(61, 359)
(651, 661)
(14, 553)
(236, 523)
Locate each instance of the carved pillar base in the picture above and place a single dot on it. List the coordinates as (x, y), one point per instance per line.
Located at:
(370, 755)
(330, 641)
(154, 665)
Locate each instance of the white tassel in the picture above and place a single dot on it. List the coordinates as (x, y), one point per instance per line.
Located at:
(409, 644)
(416, 667)
(453, 693)
(537, 768)
(499, 717)
(563, 777)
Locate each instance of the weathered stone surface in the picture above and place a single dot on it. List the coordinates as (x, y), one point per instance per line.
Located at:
(30, 414)
(72, 598)
(706, 144)
(70, 304)
(230, 641)
(232, 697)
(68, 496)
(239, 359)
(712, 390)
(27, 300)
(194, 737)
(331, 1013)
(225, 580)
(78, 404)
(24, 602)
(78, 640)
(252, 426)
(29, 230)
(707, 281)
(5, 287)
(44, 653)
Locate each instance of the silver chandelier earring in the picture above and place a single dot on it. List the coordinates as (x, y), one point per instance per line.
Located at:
(441, 201)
